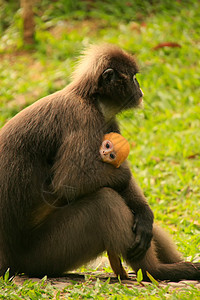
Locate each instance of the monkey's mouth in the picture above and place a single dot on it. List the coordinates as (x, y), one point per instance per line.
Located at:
(140, 100)
(140, 103)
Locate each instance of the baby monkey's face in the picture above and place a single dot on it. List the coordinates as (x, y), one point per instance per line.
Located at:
(114, 149)
(107, 152)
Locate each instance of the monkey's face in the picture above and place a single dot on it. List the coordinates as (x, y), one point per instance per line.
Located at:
(107, 152)
(114, 149)
(120, 90)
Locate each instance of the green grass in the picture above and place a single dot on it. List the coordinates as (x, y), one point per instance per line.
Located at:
(164, 137)
(94, 289)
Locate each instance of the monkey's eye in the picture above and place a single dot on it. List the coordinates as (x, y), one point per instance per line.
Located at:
(107, 144)
(112, 156)
(135, 80)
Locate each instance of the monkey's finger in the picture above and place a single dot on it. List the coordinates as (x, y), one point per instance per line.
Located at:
(135, 254)
(145, 243)
(139, 250)
(140, 246)
(136, 248)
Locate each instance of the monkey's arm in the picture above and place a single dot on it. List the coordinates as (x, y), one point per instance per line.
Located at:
(143, 215)
(79, 170)
(143, 219)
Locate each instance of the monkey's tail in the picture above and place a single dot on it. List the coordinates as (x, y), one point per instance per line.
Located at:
(174, 272)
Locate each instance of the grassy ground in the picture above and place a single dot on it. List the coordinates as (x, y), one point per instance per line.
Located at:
(164, 137)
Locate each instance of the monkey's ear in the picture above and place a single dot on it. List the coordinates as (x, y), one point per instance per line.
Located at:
(109, 75)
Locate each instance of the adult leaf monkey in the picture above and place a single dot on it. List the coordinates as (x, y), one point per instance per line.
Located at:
(60, 205)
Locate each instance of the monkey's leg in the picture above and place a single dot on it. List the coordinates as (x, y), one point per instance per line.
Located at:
(173, 268)
(116, 265)
(77, 233)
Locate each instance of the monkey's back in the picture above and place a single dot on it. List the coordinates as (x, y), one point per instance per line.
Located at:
(29, 144)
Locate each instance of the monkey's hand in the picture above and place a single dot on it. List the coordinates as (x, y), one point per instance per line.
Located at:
(143, 220)
(142, 228)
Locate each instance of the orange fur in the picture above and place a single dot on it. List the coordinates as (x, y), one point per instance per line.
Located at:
(121, 147)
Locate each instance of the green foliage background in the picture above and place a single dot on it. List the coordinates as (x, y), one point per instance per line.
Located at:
(165, 136)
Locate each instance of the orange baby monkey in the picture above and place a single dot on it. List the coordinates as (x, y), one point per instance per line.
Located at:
(114, 149)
